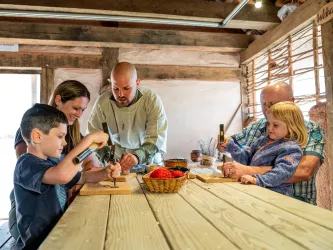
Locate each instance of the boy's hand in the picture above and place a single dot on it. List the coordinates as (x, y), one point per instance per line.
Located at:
(112, 170)
(99, 137)
(248, 179)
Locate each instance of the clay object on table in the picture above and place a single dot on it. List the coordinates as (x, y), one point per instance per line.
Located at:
(196, 155)
(124, 178)
(125, 172)
(171, 163)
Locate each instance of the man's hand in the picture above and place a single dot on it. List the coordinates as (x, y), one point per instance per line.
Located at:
(235, 170)
(112, 171)
(128, 161)
(248, 179)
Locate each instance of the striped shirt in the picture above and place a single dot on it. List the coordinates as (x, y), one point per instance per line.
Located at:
(306, 190)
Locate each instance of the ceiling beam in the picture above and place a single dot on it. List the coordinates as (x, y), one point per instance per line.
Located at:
(90, 36)
(35, 60)
(163, 72)
(300, 18)
(193, 10)
(12, 60)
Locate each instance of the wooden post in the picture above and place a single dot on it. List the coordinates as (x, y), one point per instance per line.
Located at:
(244, 99)
(254, 93)
(290, 60)
(33, 89)
(316, 60)
(327, 38)
(109, 60)
(47, 83)
(268, 66)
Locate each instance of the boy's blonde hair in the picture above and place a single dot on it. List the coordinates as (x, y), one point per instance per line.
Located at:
(291, 114)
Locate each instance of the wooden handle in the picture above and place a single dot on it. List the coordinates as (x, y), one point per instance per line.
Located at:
(221, 133)
(83, 155)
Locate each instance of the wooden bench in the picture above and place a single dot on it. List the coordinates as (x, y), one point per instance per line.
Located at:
(6, 240)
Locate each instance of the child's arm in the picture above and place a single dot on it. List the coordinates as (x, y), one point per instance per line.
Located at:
(248, 179)
(97, 176)
(67, 169)
(283, 169)
(239, 154)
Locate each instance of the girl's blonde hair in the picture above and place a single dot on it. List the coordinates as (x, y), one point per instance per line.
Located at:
(291, 114)
(70, 90)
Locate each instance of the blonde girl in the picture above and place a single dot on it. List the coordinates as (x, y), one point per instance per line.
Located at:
(281, 148)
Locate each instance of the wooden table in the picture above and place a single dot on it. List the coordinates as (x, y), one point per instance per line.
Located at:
(201, 216)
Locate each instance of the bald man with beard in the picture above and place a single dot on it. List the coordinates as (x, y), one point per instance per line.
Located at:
(304, 179)
(135, 116)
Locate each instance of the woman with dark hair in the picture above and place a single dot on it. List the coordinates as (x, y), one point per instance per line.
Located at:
(72, 98)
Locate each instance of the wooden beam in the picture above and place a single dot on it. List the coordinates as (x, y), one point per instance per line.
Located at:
(249, 17)
(297, 20)
(162, 72)
(290, 62)
(244, 99)
(47, 82)
(109, 60)
(90, 36)
(316, 63)
(60, 49)
(327, 38)
(19, 71)
(11, 59)
(145, 72)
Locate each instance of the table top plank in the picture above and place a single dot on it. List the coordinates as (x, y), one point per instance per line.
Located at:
(304, 232)
(302, 209)
(184, 227)
(83, 226)
(132, 222)
(243, 230)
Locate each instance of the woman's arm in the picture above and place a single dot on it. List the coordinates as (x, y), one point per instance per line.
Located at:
(91, 163)
(97, 176)
(20, 149)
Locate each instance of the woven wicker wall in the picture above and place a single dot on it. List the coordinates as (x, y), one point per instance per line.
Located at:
(324, 188)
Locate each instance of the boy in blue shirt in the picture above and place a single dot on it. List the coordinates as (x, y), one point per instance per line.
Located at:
(39, 182)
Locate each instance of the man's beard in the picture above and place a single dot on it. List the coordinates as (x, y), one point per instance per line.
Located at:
(123, 101)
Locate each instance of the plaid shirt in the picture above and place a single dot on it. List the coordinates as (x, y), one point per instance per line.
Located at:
(306, 190)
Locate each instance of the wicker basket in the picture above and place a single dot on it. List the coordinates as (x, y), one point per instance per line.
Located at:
(172, 163)
(164, 185)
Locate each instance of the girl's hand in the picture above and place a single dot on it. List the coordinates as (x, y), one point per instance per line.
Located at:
(222, 146)
(99, 137)
(113, 171)
(248, 179)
